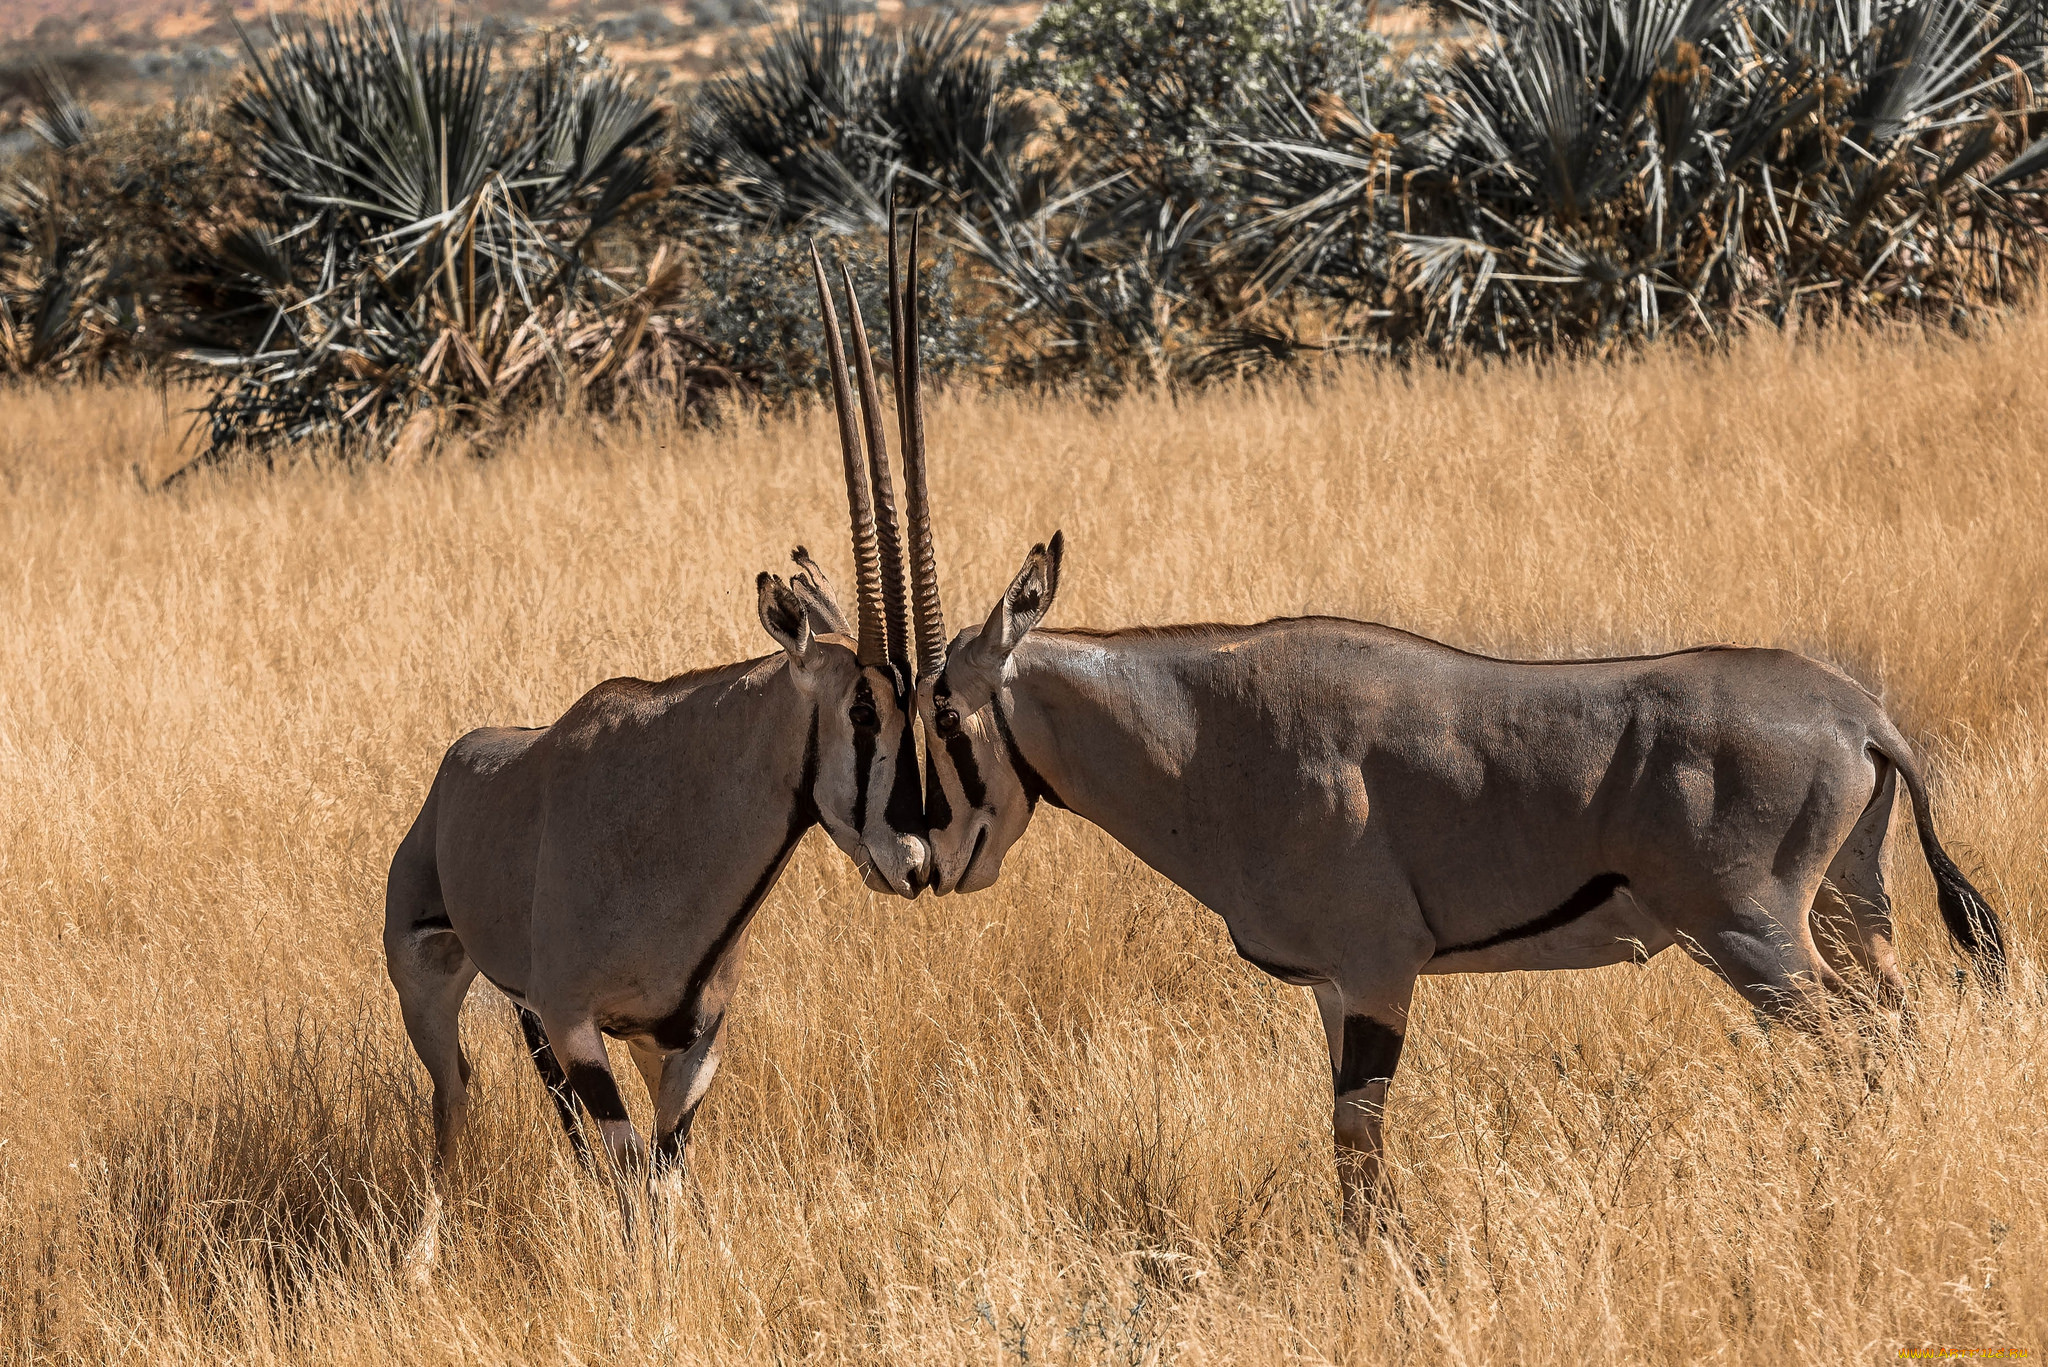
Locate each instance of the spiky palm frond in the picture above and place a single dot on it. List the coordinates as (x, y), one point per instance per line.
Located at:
(431, 214)
(828, 118)
(1604, 168)
(56, 114)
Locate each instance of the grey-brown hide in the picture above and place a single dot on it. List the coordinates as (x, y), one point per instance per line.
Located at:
(603, 871)
(1363, 806)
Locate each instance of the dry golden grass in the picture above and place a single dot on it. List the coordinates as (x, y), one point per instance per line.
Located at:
(1057, 1121)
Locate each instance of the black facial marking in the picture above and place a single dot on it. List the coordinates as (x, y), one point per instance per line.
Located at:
(863, 764)
(960, 748)
(553, 1078)
(1372, 1049)
(597, 1089)
(1597, 890)
(862, 713)
(807, 781)
(938, 810)
(905, 812)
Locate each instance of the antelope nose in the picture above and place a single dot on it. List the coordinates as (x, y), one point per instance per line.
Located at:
(917, 863)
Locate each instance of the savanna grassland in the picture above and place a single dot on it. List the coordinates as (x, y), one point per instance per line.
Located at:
(1057, 1121)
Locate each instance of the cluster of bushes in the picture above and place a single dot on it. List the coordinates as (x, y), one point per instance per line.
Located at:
(394, 229)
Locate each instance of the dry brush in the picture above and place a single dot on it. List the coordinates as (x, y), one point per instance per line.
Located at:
(1058, 1119)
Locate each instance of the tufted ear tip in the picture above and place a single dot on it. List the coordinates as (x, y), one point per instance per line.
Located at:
(783, 615)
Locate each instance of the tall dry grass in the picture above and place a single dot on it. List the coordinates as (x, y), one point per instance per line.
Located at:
(1057, 1121)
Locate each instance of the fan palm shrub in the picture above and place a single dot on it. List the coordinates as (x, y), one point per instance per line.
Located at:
(756, 307)
(98, 226)
(1598, 170)
(428, 238)
(1129, 268)
(828, 118)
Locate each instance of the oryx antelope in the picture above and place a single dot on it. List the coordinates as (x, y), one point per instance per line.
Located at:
(602, 871)
(1363, 806)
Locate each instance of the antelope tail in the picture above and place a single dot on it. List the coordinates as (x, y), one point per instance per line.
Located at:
(1970, 920)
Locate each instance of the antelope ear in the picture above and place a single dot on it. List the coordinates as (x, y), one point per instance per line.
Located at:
(816, 590)
(1023, 606)
(786, 617)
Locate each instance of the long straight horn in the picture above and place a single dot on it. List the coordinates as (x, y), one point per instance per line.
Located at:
(867, 562)
(889, 539)
(924, 565)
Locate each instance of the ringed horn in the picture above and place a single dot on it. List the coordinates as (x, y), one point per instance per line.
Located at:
(903, 343)
(878, 549)
(877, 544)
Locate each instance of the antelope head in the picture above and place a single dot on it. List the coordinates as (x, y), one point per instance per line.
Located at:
(858, 674)
(977, 799)
(976, 803)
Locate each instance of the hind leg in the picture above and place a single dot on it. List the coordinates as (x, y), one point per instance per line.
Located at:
(1757, 940)
(432, 973)
(1852, 915)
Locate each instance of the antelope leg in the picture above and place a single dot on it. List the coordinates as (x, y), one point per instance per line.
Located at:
(557, 1082)
(685, 1078)
(432, 974)
(1365, 1029)
(580, 1047)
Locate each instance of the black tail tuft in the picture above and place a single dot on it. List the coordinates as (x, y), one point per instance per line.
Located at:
(1969, 918)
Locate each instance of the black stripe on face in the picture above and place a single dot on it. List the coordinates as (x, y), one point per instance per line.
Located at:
(1597, 890)
(938, 809)
(905, 812)
(863, 760)
(1372, 1049)
(960, 749)
(806, 809)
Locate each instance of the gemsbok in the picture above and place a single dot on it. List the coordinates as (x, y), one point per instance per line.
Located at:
(1363, 806)
(603, 871)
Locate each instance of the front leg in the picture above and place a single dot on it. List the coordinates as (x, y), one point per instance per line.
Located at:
(1365, 1028)
(685, 1078)
(579, 1045)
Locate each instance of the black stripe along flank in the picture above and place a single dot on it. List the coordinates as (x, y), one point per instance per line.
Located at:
(1597, 890)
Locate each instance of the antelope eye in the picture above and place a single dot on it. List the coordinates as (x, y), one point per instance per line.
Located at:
(864, 717)
(948, 722)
